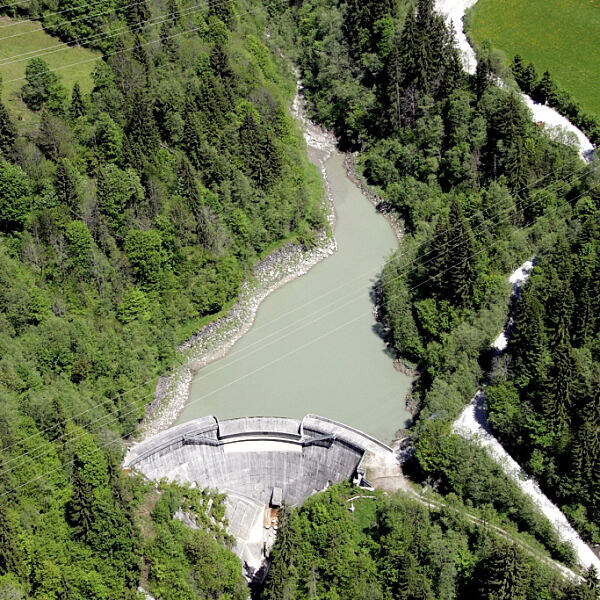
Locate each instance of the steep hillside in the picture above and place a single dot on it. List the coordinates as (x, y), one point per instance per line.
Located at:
(129, 215)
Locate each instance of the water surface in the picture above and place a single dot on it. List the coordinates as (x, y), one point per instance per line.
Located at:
(314, 346)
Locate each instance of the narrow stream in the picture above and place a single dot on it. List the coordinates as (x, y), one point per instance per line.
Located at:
(314, 347)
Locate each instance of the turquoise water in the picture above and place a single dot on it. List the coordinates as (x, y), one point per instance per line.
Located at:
(313, 347)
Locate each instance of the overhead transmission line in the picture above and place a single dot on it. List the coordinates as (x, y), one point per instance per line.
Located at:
(311, 301)
(417, 261)
(145, 44)
(262, 367)
(160, 19)
(338, 307)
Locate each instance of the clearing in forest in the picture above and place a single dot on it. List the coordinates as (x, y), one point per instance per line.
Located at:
(558, 35)
(22, 40)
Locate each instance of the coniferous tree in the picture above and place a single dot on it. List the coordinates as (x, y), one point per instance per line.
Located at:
(462, 274)
(395, 90)
(193, 136)
(453, 73)
(168, 43)
(529, 78)
(10, 556)
(219, 63)
(8, 131)
(483, 76)
(65, 186)
(140, 53)
(518, 69)
(280, 582)
(437, 257)
(77, 107)
(142, 134)
(528, 343)
(58, 419)
(138, 13)
(426, 49)
(174, 11)
(188, 186)
(80, 508)
(251, 136)
(585, 317)
(504, 575)
(403, 72)
(545, 91)
(562, 386)
(512, 121)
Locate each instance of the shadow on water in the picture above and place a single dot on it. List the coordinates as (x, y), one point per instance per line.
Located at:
(378, 328)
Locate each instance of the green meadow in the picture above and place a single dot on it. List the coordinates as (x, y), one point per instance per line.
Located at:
(22, 40)
(559, 35)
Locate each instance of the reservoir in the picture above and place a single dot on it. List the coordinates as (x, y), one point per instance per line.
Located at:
(314, 347)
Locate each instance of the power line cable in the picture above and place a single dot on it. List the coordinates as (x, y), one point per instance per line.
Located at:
(338, 307)
(262, 367)
(107, 34)
(39, 18)
(146, 44)
(417, 262)
(145, 383)
(312, 300)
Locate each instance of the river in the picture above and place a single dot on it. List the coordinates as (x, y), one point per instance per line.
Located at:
(314, 347)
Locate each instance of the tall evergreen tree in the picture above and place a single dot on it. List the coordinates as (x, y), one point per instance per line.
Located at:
(528, 343)
(484, 76)
(58, 419)
(402, 95)
(562, 386)
(8, 130)
(80, 508)
(142, 134)
(505, 575)
(518, 69)
(138, 13)
(529, 80)
(545, 91)
(10, 555)
(460, 271)
(65, 186)
(77, 107)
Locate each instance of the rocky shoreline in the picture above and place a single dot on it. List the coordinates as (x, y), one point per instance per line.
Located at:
(384, 208)
(283, 265)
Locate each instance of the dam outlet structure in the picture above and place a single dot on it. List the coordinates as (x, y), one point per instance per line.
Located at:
(260, 463)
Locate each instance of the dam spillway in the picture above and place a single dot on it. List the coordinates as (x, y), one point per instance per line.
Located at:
(258, 462)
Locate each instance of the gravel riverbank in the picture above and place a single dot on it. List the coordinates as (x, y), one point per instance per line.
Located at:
(473, 424)
(281, 266)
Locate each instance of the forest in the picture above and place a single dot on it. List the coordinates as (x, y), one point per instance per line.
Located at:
(343, 545)
(130, 216)
(480, 188)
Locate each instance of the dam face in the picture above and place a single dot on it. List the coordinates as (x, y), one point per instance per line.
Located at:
(259, 462)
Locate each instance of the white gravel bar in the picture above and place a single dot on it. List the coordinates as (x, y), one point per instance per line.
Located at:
(473, 424)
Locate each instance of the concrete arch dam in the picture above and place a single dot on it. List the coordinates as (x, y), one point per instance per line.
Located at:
(260, 462)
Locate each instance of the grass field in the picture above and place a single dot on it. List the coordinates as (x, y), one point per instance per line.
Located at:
(36, 42)
(562, 36)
